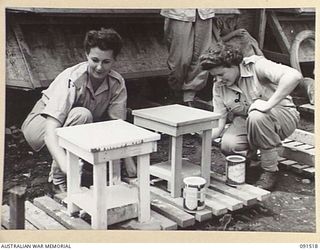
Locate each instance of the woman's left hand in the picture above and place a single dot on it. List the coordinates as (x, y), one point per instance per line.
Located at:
(260, 105)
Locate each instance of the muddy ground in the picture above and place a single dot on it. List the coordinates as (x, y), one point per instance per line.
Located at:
(291, 207)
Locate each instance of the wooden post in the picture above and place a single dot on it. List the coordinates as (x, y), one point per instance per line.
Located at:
(262, 28)
(17, 198)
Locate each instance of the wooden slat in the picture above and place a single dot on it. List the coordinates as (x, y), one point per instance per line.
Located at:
(5, 217)
(298, 168)
(40, 219)
(259, 193)
(310, 170)
(298, 153)
(262, 27)
(247, 198)
(308, 108)
(59, 213)
(279, 33)
(231, 203)
(157, 193)
(303, 136)
(25, 53)
(182, 218)
(165, 223)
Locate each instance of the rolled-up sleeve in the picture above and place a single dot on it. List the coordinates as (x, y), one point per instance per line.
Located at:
(218, 104)
(59, 97)
(117, 108)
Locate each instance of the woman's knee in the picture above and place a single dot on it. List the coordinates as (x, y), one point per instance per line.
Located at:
(256, 117)
(79, 115)
(231, 144)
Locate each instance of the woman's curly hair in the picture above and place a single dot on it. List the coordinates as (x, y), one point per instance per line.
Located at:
(104, 39)
(220, 54)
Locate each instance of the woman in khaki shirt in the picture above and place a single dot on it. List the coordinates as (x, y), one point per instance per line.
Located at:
(87, 92)
(253, 93)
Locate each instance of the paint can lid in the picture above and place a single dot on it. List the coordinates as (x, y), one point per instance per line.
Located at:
(236, 158)
(194, 181)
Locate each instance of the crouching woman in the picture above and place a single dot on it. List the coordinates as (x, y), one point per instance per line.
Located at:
(253, 93)
(90, 91)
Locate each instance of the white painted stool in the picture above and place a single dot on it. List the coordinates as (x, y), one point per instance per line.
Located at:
(177, 120)
(99, 143)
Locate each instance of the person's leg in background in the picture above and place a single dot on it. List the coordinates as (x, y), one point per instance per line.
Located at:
(179, 36)
(265, 132)
(206, 33)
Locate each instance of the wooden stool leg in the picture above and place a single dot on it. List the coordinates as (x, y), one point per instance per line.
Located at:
(143, 172)
(114, 172)
(206, 155)
(99, 215)
(176, 166)
(73, 180)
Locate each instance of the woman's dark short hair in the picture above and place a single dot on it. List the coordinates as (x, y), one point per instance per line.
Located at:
(104, 39)
(220, 54)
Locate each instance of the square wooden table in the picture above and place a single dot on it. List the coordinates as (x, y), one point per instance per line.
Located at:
(99, 143)
(177, 120)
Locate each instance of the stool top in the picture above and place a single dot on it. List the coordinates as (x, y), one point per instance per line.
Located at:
(103, 136)
(176, 115)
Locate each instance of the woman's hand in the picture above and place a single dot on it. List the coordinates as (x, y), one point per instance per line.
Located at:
(260, 105)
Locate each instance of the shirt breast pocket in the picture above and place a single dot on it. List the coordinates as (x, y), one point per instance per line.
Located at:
(236, 107)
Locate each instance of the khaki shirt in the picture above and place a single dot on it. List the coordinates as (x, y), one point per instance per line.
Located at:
(72, 88)
(259, 79)
(187, 15)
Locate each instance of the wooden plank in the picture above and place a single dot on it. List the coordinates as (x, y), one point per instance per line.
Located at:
(59, 213)
(152, 224)
(298, 153)
(40, 219)
(162, 169)
(298, 168)
(115, 215)
(308, 108)
(231, 203)
(157, 193)
(182, 218)
(262, 27)
(279, 33)
(261, 194)
(247, 198)
(216, 208)
(303, 136)
(165, 223)
(310, 170)
(26, 54)
(5, 219)
(287, 163)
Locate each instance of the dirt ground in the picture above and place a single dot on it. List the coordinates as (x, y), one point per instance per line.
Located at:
(291, 207)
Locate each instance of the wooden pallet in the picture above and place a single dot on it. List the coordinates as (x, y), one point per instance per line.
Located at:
(167, 213)
(298, 153)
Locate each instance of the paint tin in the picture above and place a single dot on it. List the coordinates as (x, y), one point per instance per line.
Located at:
(194, 193)
(235, 170)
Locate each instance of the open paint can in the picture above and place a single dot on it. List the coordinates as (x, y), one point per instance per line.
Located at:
(194, 193)
(235, 170)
